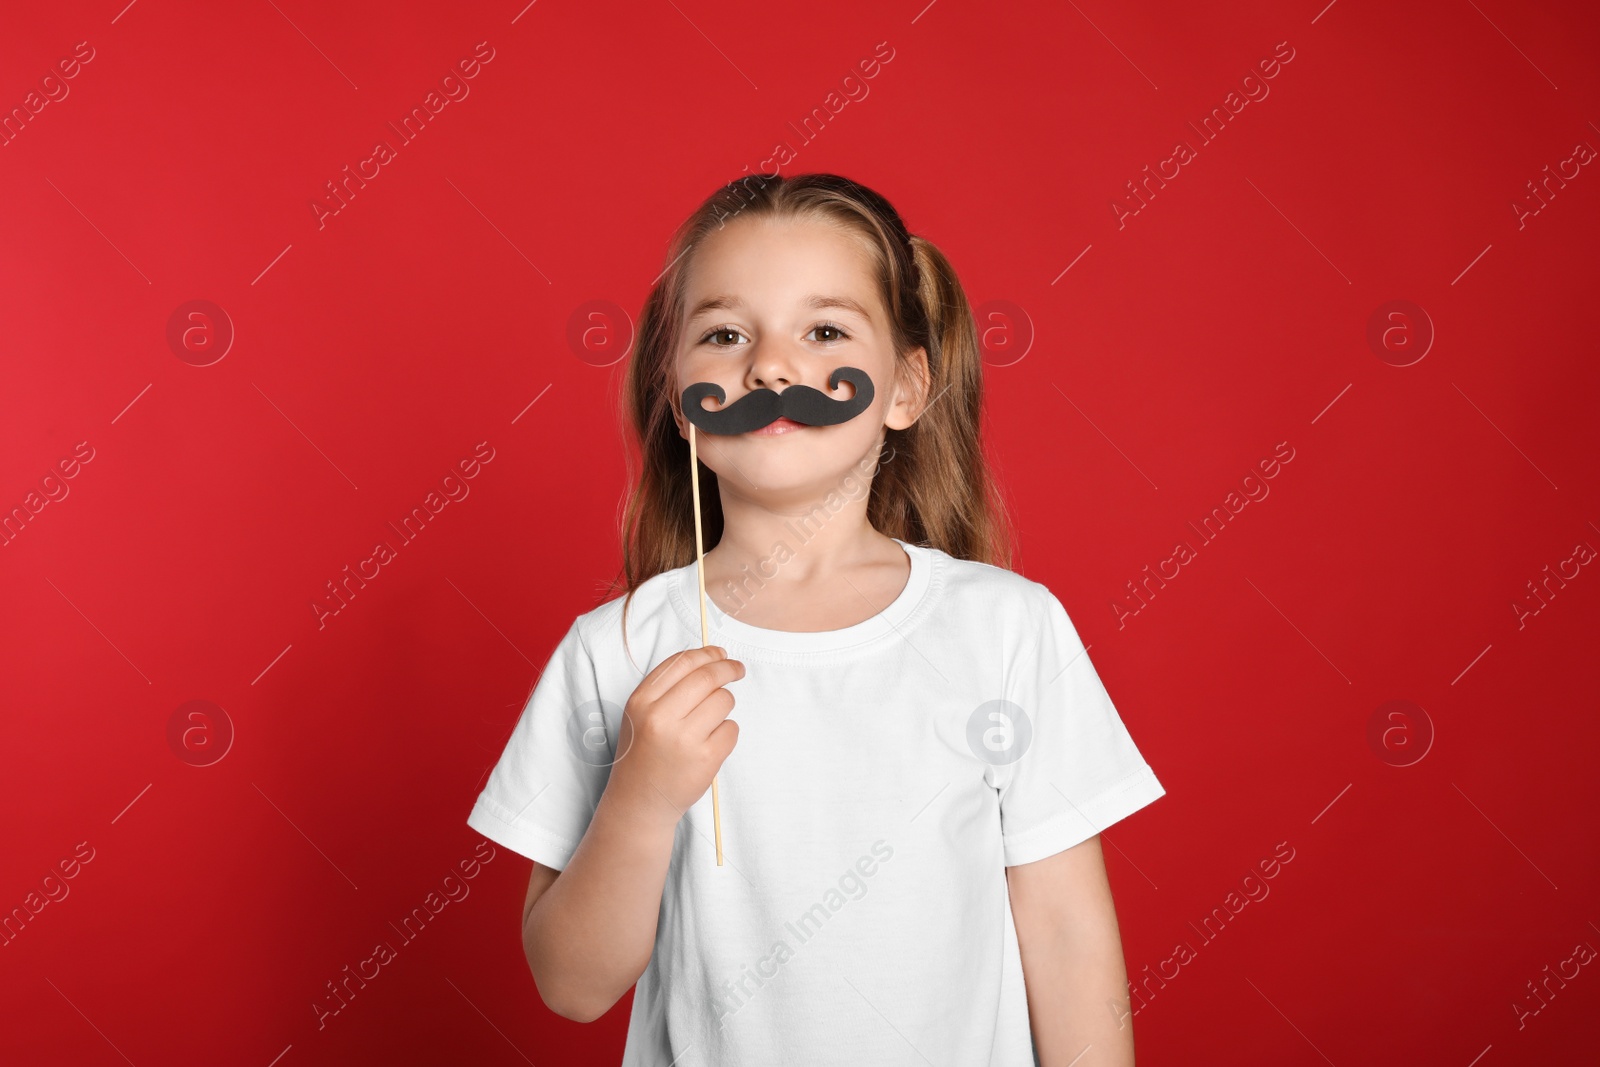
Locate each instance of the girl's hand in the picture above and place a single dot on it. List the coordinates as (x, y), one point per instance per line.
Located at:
(676, 733)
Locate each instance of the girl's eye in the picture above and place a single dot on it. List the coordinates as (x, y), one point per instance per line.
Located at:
(722, 331)
(718, 332)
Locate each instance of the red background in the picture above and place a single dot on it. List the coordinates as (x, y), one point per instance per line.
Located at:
(375, 349)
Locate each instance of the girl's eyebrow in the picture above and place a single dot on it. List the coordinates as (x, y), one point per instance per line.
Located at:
(816, 302)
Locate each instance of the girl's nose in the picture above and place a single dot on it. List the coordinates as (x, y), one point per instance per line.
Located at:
(772, 365)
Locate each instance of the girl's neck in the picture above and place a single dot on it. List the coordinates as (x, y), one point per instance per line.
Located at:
(804, 548)
(788, 575)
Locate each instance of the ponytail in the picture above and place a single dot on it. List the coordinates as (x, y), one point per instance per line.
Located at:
(947, 495)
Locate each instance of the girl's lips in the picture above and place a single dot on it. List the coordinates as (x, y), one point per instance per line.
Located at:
(778, 426)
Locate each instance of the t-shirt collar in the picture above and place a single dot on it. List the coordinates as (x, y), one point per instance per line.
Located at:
(726, 630)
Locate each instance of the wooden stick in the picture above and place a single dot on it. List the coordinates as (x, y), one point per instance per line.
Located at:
(705, 634)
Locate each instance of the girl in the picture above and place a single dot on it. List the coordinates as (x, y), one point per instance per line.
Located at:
(911, 869)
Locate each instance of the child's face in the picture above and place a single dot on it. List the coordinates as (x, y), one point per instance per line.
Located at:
(770, 336)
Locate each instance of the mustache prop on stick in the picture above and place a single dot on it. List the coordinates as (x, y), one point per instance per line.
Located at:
(758, 408)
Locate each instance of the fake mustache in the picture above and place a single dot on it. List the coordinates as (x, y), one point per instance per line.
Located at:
(758, 407)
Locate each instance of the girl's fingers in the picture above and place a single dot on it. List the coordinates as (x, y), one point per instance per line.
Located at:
(669, 671)
(690, 691)
(711, 710)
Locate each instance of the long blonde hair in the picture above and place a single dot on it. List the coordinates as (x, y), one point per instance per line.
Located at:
(936, 490)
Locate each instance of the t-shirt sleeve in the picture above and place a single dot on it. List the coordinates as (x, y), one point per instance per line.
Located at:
(1078, 770)
(543, 791)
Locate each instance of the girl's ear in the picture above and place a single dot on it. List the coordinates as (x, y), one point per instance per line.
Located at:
(911, 382)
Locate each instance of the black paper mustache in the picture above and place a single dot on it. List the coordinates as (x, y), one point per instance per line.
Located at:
(759, 407)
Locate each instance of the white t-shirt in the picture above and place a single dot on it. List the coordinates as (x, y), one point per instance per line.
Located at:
(884, 777)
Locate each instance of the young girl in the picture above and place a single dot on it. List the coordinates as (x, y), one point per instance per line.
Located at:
(912, 795)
